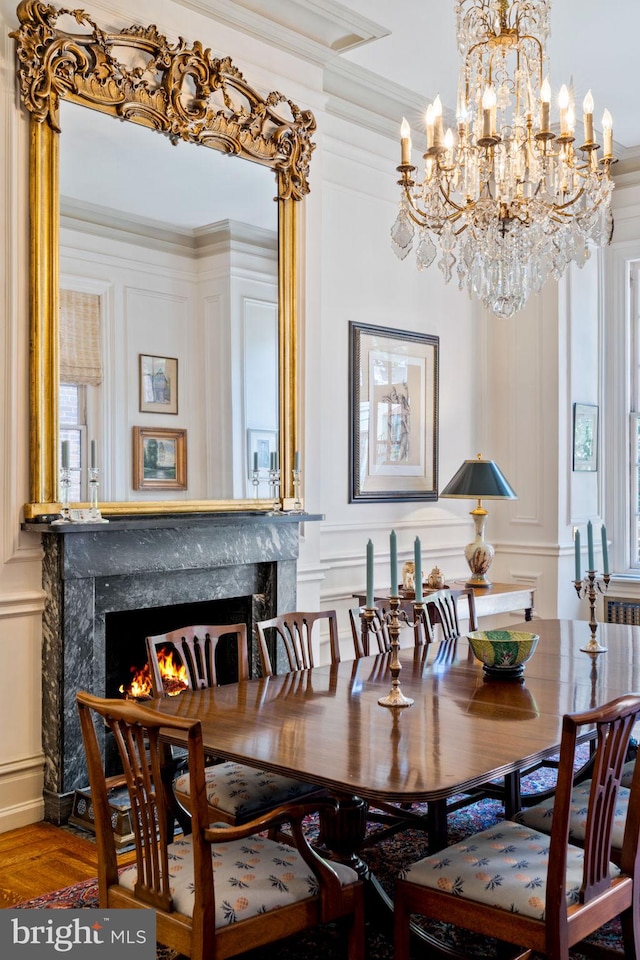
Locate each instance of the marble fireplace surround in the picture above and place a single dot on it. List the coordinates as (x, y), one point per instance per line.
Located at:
(90, 571)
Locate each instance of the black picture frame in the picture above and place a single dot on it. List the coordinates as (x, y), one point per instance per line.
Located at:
(393, 388)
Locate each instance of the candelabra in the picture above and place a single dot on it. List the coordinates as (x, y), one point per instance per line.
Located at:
(274, 490)
(297, 500)
(590, 586)
(395, 697)
(255, 480)
(94, 511)
(65, 484)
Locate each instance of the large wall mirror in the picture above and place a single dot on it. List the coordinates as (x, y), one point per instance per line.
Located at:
(163, 274)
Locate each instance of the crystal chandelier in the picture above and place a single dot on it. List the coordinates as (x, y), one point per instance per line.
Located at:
(509, 202)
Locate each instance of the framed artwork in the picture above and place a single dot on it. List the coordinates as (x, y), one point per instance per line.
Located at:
(158, 384)
(260, 445)
(393, 414)
(585, 436)
(159, 459)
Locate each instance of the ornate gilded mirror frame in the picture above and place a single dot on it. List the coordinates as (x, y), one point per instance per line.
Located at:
(181, 91)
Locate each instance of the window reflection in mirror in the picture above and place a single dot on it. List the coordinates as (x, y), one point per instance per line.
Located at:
(177, 246)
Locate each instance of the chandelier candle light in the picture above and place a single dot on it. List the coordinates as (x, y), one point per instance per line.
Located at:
(509, 201)
(591, 585)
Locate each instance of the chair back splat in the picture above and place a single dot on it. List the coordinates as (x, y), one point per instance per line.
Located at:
(197, 647)
(441, 608)
(294, 632)
(372, 638)
(190, 882)
(578, 889)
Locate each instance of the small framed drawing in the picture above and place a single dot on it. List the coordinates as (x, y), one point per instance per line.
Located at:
(159, 459)
(158, 384)
(260, 445)
(585, 436)
(393, 414)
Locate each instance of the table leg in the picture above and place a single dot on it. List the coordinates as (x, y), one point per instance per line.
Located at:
(341, 836)
(528, 613)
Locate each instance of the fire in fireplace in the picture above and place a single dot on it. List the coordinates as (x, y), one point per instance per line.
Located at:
(172, 671)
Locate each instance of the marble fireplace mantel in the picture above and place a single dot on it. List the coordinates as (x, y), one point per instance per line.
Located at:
(92, 570)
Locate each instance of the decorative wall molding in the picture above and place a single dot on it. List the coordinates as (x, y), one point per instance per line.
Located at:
(29, 603)
(312, 29)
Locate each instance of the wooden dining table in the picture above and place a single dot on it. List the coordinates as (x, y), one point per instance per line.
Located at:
(325, 724)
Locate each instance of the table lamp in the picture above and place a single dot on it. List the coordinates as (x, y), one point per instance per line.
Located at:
(479, 480)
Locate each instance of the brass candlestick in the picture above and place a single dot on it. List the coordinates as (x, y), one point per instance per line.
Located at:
(590, 586)
(395, 697)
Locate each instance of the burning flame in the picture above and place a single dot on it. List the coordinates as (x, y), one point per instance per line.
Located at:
(172, 671)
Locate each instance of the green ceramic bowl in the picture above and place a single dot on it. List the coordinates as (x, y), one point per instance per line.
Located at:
(503, 652)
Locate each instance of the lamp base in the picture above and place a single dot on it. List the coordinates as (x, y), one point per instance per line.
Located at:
(478, 581)
(479, 555)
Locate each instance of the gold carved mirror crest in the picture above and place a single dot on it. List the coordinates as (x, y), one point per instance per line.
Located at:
(179, 90)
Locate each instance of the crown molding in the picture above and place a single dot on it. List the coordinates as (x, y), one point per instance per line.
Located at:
(363, 97)
(313, 29)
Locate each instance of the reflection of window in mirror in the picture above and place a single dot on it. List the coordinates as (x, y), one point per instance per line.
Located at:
(80, 346)
(73, 427)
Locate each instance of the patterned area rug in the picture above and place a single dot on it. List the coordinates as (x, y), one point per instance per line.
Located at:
(385, 859)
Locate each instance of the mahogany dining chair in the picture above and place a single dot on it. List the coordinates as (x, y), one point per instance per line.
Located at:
(217, 891)
(295, 633)
(536, 892)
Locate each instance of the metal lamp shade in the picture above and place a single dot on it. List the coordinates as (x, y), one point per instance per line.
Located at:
(479, 480)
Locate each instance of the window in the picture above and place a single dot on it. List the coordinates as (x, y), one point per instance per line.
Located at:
(73, 427)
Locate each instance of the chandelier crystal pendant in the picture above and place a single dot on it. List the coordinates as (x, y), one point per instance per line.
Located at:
(508, 202)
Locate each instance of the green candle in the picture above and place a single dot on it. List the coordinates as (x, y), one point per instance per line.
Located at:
(369, 600)
(576, 540)
(605, 550)
(592, 565)
(417, 552)
(393, 556)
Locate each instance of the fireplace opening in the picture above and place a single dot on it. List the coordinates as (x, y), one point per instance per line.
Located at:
(126, 654)
(126, 667)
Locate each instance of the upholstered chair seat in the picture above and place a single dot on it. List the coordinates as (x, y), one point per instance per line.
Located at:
(238, 793)
(251, 877)
(504, 866)
(539, 817)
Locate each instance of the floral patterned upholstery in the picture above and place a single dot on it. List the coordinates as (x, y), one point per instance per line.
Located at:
(504, 866)
(539, 816)
(627, 773)
(251, 876)
(245, 792)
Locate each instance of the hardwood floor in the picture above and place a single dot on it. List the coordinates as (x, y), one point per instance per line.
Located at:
(42, 857)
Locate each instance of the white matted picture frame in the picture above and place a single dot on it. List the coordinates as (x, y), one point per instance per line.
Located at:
(158, 384)
(585, 437)
(393, 414)
(260, 445)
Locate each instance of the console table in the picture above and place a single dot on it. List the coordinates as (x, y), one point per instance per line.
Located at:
(499, 598)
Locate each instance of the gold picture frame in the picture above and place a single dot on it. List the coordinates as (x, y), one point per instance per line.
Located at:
(159, 459)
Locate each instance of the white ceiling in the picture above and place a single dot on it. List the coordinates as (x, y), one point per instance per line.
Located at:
(593, 42)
